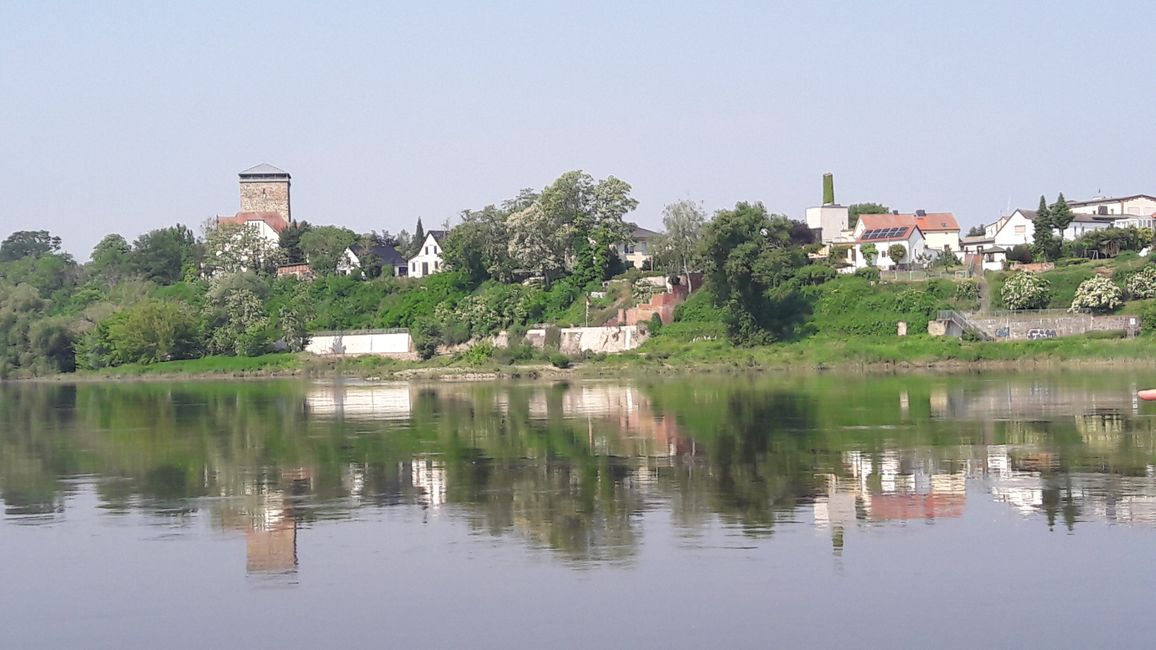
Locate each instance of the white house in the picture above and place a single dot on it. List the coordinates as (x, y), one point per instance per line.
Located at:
(882, 231)
(940, 229)
(358, 256)
(1085, 222)
(428, 259)
(637, 251)
(1136, 205)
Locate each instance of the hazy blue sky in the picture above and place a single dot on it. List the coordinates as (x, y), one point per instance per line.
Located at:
(127, 116)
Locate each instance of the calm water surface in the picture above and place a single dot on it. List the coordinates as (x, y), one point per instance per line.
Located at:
(945, 511)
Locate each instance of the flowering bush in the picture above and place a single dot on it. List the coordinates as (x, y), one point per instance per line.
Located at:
(1026, 291)
(1097, 295)
(1142, 284)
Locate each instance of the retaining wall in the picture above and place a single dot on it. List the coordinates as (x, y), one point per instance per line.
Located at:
(575, 340)
(1029, 326)
(388, 344)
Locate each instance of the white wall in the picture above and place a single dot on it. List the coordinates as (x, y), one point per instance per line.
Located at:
(1139, 206)
(385, 344)
(914, 244)
(1017, 230)
(1079, 228)
(938, 241)
(428, 259)
(576, 340)
(832, 219)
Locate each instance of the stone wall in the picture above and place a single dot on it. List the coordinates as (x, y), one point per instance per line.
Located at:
(266, 196)
(576, 340)
(1028, 326)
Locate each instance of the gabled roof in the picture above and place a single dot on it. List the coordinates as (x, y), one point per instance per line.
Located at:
(264, 169)
(886, 220)
(438, 235)
(387, 254)
(1111, 199)
(887, 234)
(639, 233)
(272, 219)
(937, 222)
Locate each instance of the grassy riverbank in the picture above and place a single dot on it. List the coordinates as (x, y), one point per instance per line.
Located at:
(676, 357)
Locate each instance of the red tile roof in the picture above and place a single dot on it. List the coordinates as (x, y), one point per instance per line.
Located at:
(888, 220)
(272, 219)
(937, 222)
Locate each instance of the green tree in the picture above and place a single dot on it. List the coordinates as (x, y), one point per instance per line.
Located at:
(751, 267)
(1060, 214)
(480, 245)
(289, 241)
(856, 209)
(152, 331)
(1045, 245)
(236, 247)
(896, 252)
(28, 243)
(111, 261)
(418, 239)
(976, 231)
(163, 255)
(324, 246)
(591, 212)
(678, 246)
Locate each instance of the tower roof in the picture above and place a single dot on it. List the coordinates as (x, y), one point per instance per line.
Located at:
(264, 169)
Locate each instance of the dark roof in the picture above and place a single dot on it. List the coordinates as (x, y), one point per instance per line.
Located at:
(387, 254)
(264, 169)
(887, 233)
(438, 235)
(1110, 199)
(638, 232)
(979, 239)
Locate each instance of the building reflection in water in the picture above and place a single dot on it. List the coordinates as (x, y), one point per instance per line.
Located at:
(891, 487)
(269, 512)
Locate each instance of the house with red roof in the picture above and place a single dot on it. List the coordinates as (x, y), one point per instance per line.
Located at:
(874, 234)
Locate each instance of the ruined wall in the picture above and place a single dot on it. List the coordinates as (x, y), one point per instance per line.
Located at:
(576, 340)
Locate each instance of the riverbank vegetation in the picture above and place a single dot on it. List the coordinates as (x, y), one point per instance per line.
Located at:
(174, 302)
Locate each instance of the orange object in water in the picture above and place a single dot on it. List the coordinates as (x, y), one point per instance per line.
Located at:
(1147, 395)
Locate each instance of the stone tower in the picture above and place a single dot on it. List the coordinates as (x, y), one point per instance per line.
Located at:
(265, 188)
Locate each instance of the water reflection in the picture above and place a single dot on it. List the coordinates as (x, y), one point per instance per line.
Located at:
(573, 468)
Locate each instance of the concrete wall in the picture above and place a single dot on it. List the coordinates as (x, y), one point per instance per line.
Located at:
(1028, 326)
(831, 219)
(576, 340)
(384, 344)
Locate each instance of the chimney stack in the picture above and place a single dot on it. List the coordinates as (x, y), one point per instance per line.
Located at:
(828, 189)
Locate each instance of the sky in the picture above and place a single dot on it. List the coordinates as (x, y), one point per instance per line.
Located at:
(127, 116)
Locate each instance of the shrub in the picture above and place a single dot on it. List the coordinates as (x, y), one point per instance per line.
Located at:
(1025, 291)
(699, 308)
(816, 274)
(967, 291)
(1142, 284)
(1097, 295)
(426, 338)
(896, 252)
(559, 360)
(868, 272)
(479, 353)
(1020, 253)
(654, 325)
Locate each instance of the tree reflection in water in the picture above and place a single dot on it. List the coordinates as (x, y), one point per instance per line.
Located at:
(573, 468)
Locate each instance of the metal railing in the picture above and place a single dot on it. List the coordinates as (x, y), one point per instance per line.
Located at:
(394, 330)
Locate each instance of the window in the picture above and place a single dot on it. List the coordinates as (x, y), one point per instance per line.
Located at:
(1020, 230)
(427, 250)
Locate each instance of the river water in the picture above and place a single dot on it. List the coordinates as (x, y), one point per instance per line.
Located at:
(921, 510)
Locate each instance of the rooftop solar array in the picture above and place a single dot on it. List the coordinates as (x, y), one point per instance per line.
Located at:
(883, 233)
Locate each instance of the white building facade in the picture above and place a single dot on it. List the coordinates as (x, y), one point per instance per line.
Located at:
(428, 259)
